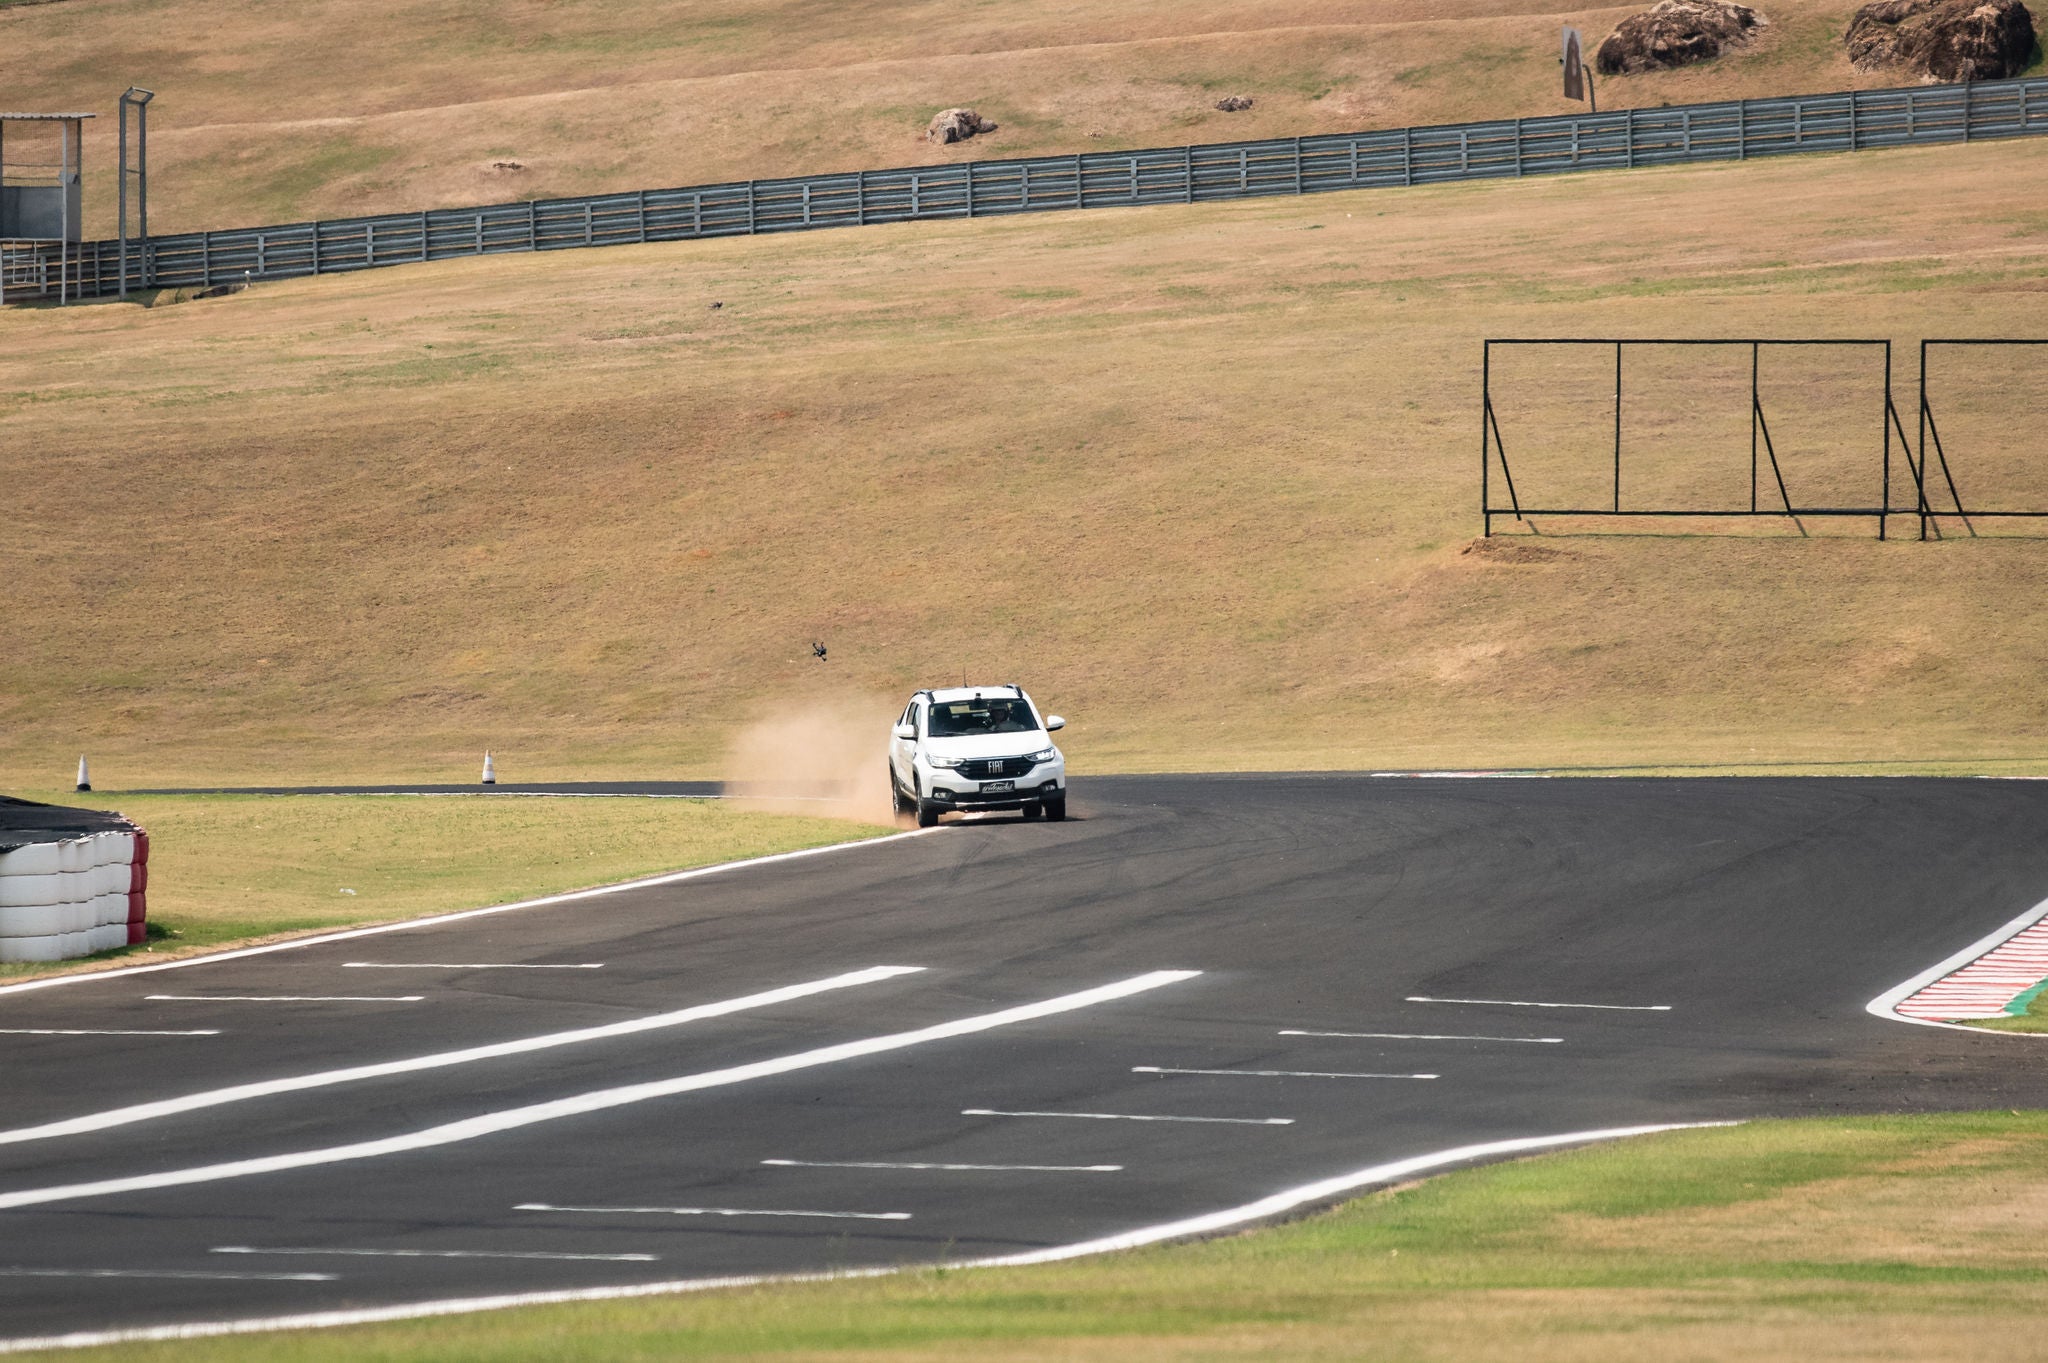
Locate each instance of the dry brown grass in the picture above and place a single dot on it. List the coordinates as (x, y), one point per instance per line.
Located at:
(276, 113)
(1201, 478)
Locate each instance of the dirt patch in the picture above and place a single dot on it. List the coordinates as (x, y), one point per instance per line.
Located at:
(1499, 549)
(1676, 33)
(1943, 39)
(1231, 104)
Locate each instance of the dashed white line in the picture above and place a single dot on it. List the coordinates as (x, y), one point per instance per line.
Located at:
(599, 1100)
(712, 1211)
(881, 1164)
(1128, 1117)
(191, 1102)
(100, 1031)
(437, 1253)
(1421, 1036)
(166, 1273)
(473, 965)
(1278, 1074)
(1230, 1218)
(1524, 1003)
(284, 998)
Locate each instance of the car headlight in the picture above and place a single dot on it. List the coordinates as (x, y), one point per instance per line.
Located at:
(946, 762)
(1044, 755)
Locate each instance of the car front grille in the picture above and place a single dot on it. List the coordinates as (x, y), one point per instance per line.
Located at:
(996, 768)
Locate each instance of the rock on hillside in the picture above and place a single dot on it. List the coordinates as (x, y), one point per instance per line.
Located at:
(957, 125)
(1675, 33)
(1944, 39)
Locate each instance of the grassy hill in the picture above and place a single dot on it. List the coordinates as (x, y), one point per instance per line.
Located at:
(271, 111)
(1203, 478)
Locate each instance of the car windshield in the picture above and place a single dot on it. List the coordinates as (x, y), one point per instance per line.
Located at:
(962, 718)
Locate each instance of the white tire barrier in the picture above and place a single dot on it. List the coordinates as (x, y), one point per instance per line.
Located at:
(65, 894)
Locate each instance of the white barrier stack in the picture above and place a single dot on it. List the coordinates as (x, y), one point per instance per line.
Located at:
(70, 896)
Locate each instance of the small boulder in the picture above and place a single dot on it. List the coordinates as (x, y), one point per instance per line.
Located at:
(957, 125)
(1675, 33)
(1231, 104)
(1943, 39)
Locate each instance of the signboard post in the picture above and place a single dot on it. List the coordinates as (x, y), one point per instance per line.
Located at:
(1578, 81)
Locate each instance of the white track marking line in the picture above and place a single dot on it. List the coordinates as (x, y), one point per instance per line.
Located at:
(166, 1273)
(1885, 1005)
(93, 1031)
(1421, 1036)
(284, 998)
(444, 965)
(884, 1164)
(436, 1253)
(434, 920)
(237, 1093)
(1394, 1171)
(1523, 1003)
(599, 1100)
(1127, 1117)
(1279, 1074)
(712, 1211)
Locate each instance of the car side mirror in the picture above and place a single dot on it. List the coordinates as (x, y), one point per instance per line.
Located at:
(1054, 722)
(906, 731)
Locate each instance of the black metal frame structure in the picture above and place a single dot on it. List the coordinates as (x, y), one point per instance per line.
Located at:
(137, 99)
(1930, 428)
(1761, 447)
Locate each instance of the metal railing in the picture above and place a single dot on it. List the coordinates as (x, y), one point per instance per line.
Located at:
(1505, 148)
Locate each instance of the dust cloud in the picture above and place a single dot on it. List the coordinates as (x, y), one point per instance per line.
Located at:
(819, 754)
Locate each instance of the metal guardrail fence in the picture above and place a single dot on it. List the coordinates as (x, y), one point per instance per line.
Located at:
(1846, 121)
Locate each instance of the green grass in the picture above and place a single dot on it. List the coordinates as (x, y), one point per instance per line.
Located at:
(231, 869)
(2034, 1019)
(1877, 1237)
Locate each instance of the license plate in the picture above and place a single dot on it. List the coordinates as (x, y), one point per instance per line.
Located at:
(997, 787)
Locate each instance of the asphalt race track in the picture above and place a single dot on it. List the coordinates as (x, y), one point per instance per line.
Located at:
(1037, 1080)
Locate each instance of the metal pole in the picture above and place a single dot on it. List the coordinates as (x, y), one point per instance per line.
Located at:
(1617, 425)
(142, 188)
(122, 195)
(1485, 459)
(64, 211)
(1885, 419)
(1754, 408)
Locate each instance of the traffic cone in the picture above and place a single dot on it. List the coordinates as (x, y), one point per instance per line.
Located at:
(84, 781)
(490, 772)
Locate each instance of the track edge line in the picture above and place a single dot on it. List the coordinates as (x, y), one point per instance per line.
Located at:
(1885, 1005)
(1185, 1228)
(374, 929)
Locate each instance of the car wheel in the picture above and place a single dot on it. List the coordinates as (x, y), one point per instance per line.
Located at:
(928, 812)
(897, 800)
(1056, 807)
